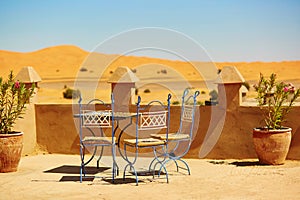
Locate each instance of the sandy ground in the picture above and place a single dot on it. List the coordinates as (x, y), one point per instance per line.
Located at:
(55, 177)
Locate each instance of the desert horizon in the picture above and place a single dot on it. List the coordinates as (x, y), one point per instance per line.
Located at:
(60, 66)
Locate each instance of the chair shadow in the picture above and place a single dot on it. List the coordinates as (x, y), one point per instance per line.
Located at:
(132, 180)
(72, 169)
(76, 178)
(148, 173)
(119, 181)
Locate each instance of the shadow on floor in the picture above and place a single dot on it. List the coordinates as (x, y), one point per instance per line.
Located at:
(72, 169)
(246, 163)
(76, 178)
(121, 181)
(236, 163)
(148, 173)
(218, 162)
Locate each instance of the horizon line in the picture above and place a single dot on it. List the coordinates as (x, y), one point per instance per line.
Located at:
(150, 57)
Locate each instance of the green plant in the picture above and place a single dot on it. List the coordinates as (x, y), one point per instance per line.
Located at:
(175, 103)
(13, 99)
(200, 103)
(275, 100)
(71, 93)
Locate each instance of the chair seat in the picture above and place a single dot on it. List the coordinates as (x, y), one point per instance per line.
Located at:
(94, 139)
(145, 142)
(171, 136)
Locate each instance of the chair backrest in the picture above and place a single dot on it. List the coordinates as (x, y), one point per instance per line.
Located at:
(96, 118)
(188, 107)
(153, 120)
(153, 116)
(91, 117)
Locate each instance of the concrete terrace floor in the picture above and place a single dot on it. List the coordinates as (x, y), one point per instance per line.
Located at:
(54, 176)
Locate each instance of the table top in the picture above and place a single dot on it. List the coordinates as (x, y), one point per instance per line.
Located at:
(117, 115)
(124, 114)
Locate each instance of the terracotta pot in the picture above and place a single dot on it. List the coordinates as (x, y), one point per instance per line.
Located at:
(272, 146)
(10, 151)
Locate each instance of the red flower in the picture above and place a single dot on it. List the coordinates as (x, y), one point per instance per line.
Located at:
(17, 84)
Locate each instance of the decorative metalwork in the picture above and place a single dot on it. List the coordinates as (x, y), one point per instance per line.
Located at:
(96, 118)
(187, 114)
(153, 120)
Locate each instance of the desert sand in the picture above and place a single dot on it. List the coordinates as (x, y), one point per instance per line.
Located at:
(60, 66)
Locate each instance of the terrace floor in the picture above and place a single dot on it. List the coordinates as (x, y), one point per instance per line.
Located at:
(55, 176)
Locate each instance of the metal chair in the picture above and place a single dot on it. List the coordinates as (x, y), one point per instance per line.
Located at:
(153, 117)
(94, 132)
(180, 142)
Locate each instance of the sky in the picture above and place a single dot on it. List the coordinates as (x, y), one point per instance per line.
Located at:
(228, 30)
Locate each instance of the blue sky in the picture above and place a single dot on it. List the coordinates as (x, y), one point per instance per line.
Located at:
(229, 30)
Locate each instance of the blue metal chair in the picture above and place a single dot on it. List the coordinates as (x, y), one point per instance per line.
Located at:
(94, 132)
(153, 117)
(180, 142)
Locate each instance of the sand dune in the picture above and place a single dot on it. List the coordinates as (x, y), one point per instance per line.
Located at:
(52, 62)
(65, 63)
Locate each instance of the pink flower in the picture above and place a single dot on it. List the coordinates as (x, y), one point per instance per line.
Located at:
(286, 89)
(17, 84)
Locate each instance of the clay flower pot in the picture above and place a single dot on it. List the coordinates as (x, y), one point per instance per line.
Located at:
(10, 151)
(272, 146)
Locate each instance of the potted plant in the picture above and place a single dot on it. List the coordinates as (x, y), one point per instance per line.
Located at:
(14, 96)
(272, 141)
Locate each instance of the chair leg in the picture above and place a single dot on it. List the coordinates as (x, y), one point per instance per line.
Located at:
(130, 164)
(134, 171)
(186, 165)
(165, 169)
(162, 163)
(115, 168)
(175, 160)
(177, 166)
(113, 173)
(136, 176)
(124, 172)
(151, 163)
(100, 156)
(155, 162)
(82, 171)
